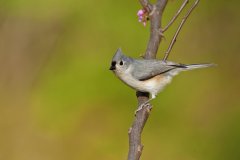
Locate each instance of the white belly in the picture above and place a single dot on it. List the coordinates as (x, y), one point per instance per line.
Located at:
(153, 85)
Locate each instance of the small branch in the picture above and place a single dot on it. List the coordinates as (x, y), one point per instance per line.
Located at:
(155, 16)
(134, 133)
(155, 12)
(176, 15)
(179, 29)
(146, 5)
(155, 29)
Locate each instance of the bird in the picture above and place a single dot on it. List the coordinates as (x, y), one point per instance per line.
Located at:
(148, 75)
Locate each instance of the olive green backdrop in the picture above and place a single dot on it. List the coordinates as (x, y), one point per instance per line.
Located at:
(59, 101)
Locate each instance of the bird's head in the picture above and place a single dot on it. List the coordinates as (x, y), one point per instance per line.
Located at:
(120, 62)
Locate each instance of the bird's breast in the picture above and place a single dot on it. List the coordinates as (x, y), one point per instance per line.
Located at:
(157, 83)
(152, 85)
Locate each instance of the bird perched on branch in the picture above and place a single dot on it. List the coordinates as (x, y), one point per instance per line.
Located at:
(148, 75)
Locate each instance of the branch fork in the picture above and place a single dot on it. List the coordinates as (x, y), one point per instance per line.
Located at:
(156, 34)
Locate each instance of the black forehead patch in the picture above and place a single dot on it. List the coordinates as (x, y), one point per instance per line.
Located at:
(114, 63)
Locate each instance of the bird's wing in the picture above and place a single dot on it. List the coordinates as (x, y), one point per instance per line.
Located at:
(146, 69)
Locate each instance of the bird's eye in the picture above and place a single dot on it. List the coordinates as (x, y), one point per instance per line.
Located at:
(121, 63)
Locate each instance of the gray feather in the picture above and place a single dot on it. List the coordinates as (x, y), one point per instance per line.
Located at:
(195, 66)
(146, 69)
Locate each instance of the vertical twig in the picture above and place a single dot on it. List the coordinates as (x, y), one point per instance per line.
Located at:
(179, 29)
(175, 16)
(155, 16)
(155, 29)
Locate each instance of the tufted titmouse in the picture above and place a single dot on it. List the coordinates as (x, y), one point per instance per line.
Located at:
(147, 75)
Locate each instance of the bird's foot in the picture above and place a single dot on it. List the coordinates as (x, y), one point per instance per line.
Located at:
(141, 107)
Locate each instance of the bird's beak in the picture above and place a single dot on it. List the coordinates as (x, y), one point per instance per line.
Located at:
(112, 68)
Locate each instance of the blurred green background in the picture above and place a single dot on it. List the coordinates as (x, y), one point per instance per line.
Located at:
(59, 101)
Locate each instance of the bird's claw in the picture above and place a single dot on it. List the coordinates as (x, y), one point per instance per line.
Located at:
(141, 107)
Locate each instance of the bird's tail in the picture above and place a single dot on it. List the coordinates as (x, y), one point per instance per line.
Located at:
(195, 66)
(187, 67)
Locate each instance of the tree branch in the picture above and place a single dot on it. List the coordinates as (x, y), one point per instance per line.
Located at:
(155, 29)
(146, 5)
(179, 29)
(155, 12)
(155, 16)
(175, 16)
